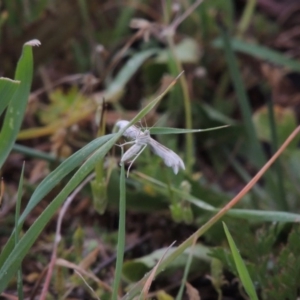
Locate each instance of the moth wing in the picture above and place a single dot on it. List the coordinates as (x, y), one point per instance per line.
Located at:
(132, 132)
(170, 158)
(131, 152)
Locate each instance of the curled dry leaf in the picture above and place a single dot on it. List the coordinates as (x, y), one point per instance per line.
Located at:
(192, 293)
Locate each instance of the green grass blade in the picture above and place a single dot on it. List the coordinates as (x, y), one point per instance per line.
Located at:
(259, 157)
(259, 191)
(17, 106)
(166, 130)
(121, 234)
(247, 17)
(264, 215)
(123, 21)
(214, 114)
(175, 66)
(248, 214)
(51, 181)
(240, 266)
(117, 86)
(31, 152)
(17, 232)
(7, 90)
(282, 203)
(185, 274)
(242, 98)
(260, 52)
(13, 17)
(13, 261)
(61, 171)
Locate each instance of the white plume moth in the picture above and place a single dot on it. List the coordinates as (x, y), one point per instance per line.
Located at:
(142, 139)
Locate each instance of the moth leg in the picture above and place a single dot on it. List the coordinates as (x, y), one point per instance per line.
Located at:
(136, 156)
(127, 143)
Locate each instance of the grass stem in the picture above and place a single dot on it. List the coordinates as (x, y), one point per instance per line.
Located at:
(187, 108)
(121, 234)
(282, 203)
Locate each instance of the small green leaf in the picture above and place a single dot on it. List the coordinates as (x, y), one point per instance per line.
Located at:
(176, 212)
(78, 241)
(99, 192)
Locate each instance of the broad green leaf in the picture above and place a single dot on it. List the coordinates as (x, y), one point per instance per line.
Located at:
(17, 106)
(7, 90)
(135, 269)
(261, 52)
(240, 266)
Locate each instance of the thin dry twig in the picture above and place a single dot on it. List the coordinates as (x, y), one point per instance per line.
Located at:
(58, 235)
(149, 280)
(64, 263)
(34, 290)
(8, 296)
(85, 282)
(181, 18)
(255, 179)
